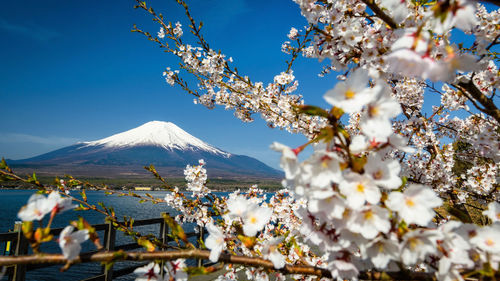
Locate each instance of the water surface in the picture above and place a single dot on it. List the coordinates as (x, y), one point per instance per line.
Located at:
(12, 200)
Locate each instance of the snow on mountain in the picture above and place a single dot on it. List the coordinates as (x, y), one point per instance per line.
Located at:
(166, 135)
(162, 144)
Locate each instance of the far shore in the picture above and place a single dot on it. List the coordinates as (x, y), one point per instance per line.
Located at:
(124, 183)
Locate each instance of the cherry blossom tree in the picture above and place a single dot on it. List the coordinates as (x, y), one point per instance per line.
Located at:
(392, 188)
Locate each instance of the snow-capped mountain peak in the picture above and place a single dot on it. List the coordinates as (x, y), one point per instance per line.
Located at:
(157, 133)
(162, 144)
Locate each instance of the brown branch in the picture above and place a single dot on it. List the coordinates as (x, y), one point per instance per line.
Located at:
(380, 14)
(195, 253)
(489, 106)
(122, 226)
(165, 255)
(229, 72)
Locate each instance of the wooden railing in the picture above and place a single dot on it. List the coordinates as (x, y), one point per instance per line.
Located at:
(14, 243)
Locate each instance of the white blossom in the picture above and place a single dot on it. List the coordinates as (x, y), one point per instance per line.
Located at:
(61, 203)
(493, 211)
(38, 206)
(176, 270)
(292, 35)
(161, 33)
(237, 206)
(149, 272)
(270, 251)
(255, 218)
(359, 189)
(381, 251)
(415, 205)
(369, 221)
(376, 123)
(215, 241)
(416, 245)
(70, 241)
(288, 159)
(351, 95)
(385, 173)
(488, 238)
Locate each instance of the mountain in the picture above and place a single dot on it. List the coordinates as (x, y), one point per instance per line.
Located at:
(162, 144)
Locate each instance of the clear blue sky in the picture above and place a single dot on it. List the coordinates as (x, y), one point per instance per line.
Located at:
(72, 71)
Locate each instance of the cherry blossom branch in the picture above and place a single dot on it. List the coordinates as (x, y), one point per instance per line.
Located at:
(489, 106)
(122, 226)
(493, 43)
(380, 14)
(231, 73)
(197, 254)
(302, 45)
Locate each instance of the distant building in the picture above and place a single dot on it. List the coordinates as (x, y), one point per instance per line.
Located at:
(143, 188)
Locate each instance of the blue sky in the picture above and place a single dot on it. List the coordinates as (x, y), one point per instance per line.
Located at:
(72, 71)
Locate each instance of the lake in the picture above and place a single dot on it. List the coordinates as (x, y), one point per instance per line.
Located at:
(12, 200)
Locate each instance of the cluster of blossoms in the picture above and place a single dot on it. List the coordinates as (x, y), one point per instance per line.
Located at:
(170, 76)
(250, 224)
(220, 84)
(175, 270)
(176, 31)
(38, 206)
(196, 177)
(401, 47)
(249, 215)
(192, 210)
(481, 178)
(359, 217)
(388, 192)
(351, 211)
(362, 220)
(368, 195)
(412, 48)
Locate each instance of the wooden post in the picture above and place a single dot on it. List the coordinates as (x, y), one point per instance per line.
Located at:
(164, 239)
(110, 246)
(21, 249)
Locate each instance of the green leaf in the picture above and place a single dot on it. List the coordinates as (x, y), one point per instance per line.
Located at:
(148, 245)
(176, 230)
(194, 271)
(358, 163)
(336, 112)
(43, 235)
(27, 229)
(460, 214)
(32, 179)
(312, 110)
(84, 195)
(249, 242)
(108, 265)
(81, 207)
(151, 168)
(404, 180)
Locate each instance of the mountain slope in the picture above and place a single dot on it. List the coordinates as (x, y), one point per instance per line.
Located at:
(162, 144)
